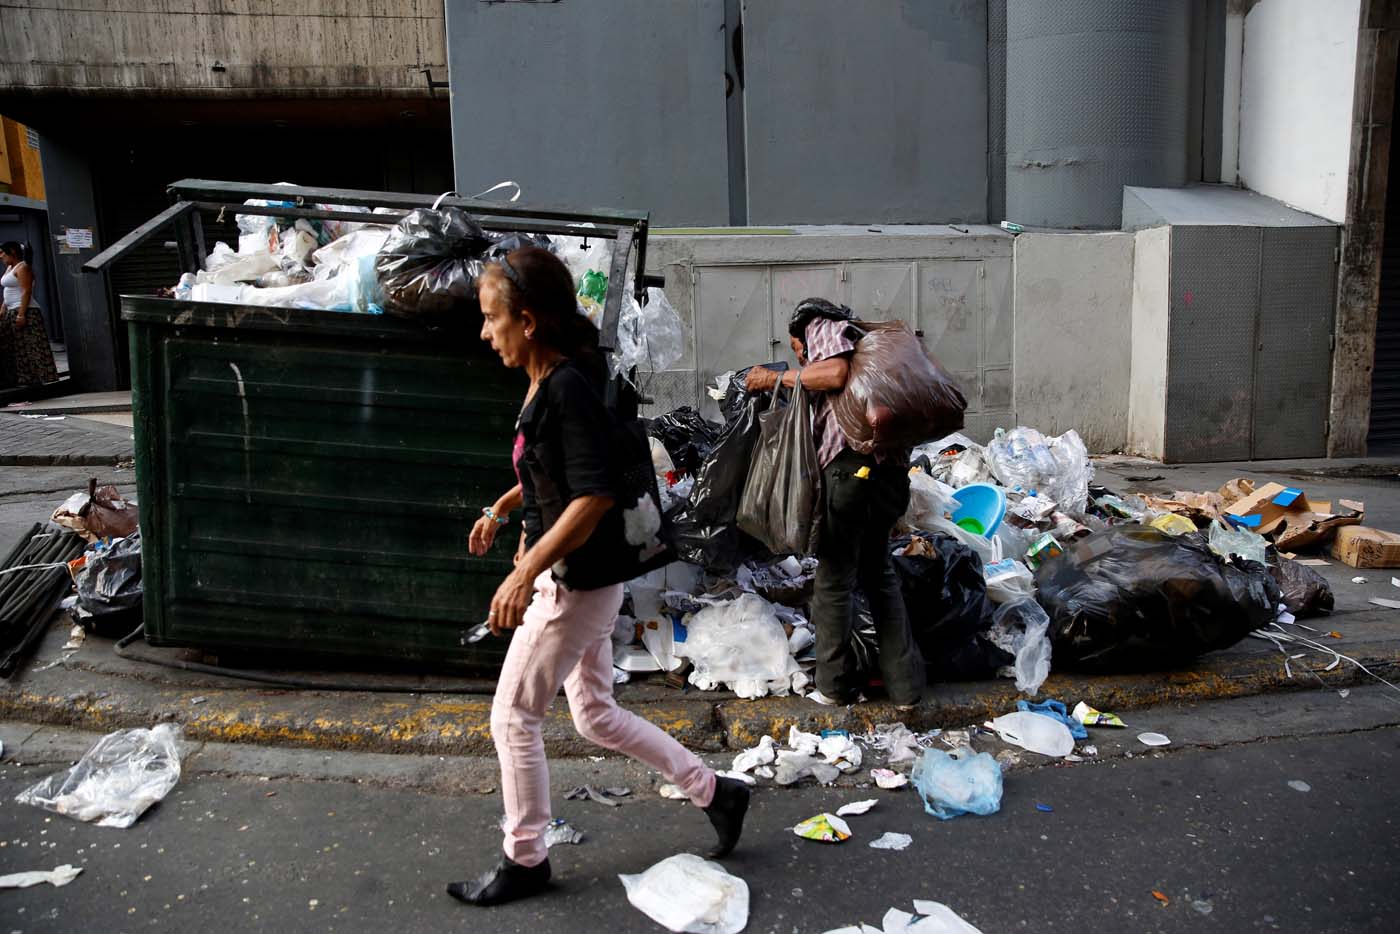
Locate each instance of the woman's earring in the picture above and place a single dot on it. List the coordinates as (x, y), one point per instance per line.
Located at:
(529, 335)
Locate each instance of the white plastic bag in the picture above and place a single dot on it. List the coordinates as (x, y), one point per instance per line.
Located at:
(741, 644)
(687, 893)
(116, 780)
(650, 337)
(930, 500)
(1035, 732)
(1022, 628)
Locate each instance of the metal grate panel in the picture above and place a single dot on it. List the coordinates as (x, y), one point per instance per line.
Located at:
(1293, 369)
(1214, 298)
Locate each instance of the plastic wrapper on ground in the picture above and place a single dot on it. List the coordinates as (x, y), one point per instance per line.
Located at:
(1135, 599)
(116, 780)
(741, 644)
(957, 782)
(1305, 592)
(896, 395)
(1035, 732)
(685, 893)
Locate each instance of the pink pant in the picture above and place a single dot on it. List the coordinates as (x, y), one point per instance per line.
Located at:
(567, 639)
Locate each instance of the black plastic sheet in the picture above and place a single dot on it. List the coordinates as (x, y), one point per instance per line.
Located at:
(109, 583)
(1135, 599)
(686, 436)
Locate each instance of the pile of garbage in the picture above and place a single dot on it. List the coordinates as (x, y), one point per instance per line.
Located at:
(421, 266)
(1009, 556)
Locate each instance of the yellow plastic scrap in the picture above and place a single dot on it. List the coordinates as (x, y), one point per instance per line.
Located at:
(1173, 524)
(824, 828)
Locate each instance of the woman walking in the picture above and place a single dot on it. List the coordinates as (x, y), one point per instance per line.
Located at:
(565, 463)
(25, 356)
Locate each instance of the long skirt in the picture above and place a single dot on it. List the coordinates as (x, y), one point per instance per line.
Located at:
(25, 356)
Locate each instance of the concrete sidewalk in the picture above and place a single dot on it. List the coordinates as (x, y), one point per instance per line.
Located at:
(30, 438)
(92, 689)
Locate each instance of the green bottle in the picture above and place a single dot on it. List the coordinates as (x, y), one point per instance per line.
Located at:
(594, 285)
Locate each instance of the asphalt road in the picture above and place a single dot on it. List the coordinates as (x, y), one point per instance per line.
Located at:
(1219, 832)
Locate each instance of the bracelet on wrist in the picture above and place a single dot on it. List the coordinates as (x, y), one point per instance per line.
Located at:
(490, 513)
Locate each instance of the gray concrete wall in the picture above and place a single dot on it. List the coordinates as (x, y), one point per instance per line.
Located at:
(297, 48)
(1147, 396)
(1073, 296)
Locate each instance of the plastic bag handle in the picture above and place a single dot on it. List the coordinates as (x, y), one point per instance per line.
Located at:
(496, 187)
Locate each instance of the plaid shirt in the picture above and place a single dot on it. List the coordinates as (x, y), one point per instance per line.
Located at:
(827, 339)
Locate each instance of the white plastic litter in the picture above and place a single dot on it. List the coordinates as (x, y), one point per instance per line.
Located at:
(764, 771)
(738, 777)
(1022, 628)
(741, 644)
(840, 751)
(804, 743)
(856, 808)
(889, 780)
(1298, 784)
(762, 754)
(685, 893)
(792, 767)
(1008, 581)
(930, 501)
(672, 793)
(891, 841)
(56, 877)
(928, 918)
(1035, 733)
(116, 780)
(1153, 739)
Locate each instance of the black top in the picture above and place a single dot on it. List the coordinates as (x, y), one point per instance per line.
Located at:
(567, 449)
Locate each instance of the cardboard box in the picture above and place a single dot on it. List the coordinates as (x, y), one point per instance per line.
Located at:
(1290, 519)
(1362, 547)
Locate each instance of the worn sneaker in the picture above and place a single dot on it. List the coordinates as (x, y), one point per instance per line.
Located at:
(820, 698)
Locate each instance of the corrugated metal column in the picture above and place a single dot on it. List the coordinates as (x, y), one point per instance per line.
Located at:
(1096, 98)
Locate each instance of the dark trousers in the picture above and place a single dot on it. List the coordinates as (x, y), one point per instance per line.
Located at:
(859, 515)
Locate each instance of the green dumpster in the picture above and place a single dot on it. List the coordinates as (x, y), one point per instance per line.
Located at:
(308, 479)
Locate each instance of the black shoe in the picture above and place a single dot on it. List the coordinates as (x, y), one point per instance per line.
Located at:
(726, 812)
(507, 882)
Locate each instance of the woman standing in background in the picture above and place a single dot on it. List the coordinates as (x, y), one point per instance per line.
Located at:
(25, 356)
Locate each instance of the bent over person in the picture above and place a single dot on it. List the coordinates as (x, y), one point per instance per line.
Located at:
(863, 496)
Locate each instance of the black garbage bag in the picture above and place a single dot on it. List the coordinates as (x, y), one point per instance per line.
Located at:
(736, 394)
(686, 436)
(1132, 598)
(945, 596)
(1305, 592)
(704, 529)
(109, 585)
(429, 264)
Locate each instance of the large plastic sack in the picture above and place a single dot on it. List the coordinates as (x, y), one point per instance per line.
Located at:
(930, 501)
(782, 498)
(896, 395)
(429, 263)
(1022, 628)
(1058, 468)
(704, 530)
(741, 644)
(116, 780)
(946, 598)
(650, 337)
(687, 437)
(110, 579)
(690, 894)
(1132, 598)
(1008, 581)
(1305, 592)
(957, 782)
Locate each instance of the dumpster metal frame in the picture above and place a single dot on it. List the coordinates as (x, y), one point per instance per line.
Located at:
(189, 459)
